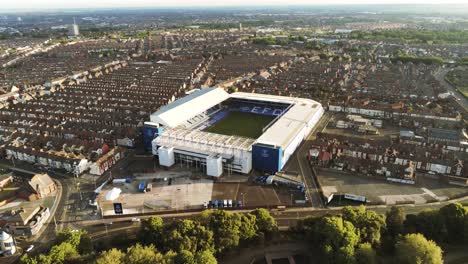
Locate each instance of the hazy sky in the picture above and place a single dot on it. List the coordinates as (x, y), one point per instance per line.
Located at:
(44, 4)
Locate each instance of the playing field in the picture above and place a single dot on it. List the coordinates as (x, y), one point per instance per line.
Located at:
(241, 124)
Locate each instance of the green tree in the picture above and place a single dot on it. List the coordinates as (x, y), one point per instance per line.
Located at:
(365, 254)
(184, 257)
(26, 259)
(368, 222)
(205, 257)
(415, 248)
(139, 254)
(453, 216)
(428, 222)
(248, 227)
(70, 236)
(112, 256)
(187, 235)
(336, 237)
(151, 230)
(395, 219)
(225, 226)
(86, 244)
(264, 222)
(63, 252)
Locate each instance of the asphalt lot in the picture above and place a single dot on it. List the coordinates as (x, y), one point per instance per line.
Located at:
(376, 190)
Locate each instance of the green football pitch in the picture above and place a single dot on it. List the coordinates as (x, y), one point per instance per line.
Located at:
(241, 124)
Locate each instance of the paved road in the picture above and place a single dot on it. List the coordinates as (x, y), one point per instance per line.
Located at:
(300, 163)
(459, 98)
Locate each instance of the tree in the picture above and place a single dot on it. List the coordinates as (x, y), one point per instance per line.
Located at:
(26, 259)
(415, 248)
(139, 254)
(453, 216)
(336, 237)
(428, 222)
(184, 257)
(86, 244)
(70, 236)
(264, 222)
(61, 253)
(365, 254)
(112, 256)
(205, 257)
(395, 219)
(151, 230)
(368, 222)
(187, 235)
(248, 227)
(225, 226)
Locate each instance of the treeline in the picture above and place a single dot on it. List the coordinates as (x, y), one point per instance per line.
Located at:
(359, 236)
(425, 60)
(415, 35)
(463, 61)
(198, 241)
(271, 40)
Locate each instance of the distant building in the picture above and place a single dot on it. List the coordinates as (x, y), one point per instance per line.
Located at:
(73, 30)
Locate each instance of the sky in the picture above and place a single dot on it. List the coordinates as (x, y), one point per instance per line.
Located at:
(54, 4)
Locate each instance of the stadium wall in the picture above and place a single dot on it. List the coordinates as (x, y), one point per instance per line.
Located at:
(266, 158)
(150, 131)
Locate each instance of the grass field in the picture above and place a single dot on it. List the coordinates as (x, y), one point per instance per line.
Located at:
(241, 124)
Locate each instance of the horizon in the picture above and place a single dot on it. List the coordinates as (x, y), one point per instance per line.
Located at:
(53, 5)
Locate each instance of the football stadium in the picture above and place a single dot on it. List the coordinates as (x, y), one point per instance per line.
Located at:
(220, 132)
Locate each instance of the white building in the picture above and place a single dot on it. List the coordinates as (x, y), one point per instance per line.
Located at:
(7, 244)
(181, 137)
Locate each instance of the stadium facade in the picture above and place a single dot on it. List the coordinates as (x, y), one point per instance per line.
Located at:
(190, 131)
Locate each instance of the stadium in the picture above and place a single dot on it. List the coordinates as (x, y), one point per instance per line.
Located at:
(220, 132)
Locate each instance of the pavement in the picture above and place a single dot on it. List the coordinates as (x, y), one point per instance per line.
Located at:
(300, 163)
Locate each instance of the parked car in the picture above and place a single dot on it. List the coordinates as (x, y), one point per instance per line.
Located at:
(205, 205)
(210, 204)
(215, 204)
(239, 203)
(225, 203)
(230, 203)
(29, 248)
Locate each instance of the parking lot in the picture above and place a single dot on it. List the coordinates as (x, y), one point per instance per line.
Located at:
(173, 193)
(382, 191)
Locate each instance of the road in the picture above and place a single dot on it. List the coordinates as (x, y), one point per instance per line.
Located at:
(301, 163)
(459, 98)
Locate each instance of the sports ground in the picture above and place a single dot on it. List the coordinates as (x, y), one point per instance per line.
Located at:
(241, 124)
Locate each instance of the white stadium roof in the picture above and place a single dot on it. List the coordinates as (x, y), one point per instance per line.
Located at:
(189, 106)
(281, 133)
(284, 130)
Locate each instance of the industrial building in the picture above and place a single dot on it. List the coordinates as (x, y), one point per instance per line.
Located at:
(182, 132)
